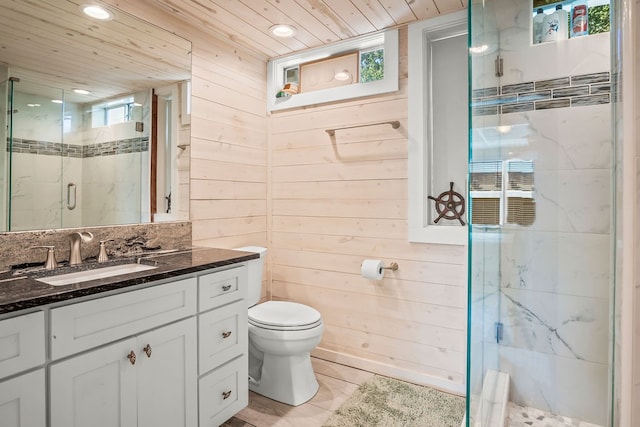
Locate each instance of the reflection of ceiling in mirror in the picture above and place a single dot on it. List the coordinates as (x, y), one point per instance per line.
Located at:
(56, 45)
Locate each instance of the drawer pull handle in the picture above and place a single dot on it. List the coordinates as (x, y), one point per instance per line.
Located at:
(225, 288)
(147, 350)
(226, 394)
(132, 357)
(226, 334)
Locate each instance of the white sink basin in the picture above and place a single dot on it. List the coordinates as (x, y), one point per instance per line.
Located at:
(98, 273)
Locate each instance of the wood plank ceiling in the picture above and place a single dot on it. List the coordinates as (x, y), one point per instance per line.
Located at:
(45, 40)
(318, 22)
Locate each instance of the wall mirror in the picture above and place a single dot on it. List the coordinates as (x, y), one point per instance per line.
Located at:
(95, 114)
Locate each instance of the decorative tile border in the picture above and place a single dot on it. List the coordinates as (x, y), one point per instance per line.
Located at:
(563, 92)
(110, 148)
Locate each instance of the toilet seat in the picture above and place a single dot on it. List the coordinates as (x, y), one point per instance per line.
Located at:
(284, 316)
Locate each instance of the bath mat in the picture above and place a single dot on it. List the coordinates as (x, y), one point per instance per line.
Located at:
(387, 402)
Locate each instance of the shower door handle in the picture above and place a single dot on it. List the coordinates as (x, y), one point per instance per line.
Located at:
(71, 191)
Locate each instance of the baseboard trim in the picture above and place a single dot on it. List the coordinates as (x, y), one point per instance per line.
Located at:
(390, 371)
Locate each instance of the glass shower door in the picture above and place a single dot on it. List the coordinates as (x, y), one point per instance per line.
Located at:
(34, 156)
(540, 177)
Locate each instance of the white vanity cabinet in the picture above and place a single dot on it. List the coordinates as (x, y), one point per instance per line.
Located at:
(223, 350)
(22, 383)
(168, 355)
(148, 381)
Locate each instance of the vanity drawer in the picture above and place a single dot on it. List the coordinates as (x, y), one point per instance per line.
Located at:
(84, 325)
(224, 392)
(222, 287)
(21, 343)
(223, 335)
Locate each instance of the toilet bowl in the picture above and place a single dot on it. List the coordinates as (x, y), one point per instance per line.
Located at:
(281, 337)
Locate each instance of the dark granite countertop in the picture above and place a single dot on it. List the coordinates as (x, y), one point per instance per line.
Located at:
(22, 291)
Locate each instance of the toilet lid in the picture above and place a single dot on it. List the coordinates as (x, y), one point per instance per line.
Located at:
(283, 314)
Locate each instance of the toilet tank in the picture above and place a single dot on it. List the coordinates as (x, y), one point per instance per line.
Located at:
(255, 267)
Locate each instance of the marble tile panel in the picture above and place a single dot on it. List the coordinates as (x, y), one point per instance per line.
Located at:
(563, 263)
(561, 142)
(573, 201)
(567, 326)
(573, 388)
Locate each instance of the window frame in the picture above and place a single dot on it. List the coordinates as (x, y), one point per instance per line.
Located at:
(419, 230)
(275, 72)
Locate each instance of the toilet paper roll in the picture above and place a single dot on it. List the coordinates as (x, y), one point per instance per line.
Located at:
(372, 269)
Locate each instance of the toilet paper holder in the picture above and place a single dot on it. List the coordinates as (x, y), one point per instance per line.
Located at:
(392, 266)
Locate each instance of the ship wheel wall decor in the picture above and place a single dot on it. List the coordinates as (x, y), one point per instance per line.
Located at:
(449, 205)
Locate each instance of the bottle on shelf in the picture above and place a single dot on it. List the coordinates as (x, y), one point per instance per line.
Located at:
(537, 26)
(555, 26)
(579, 19)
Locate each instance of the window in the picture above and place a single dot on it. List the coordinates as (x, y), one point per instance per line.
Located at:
(112, 112)
(377, 60)
(438, 130)
(372, 65)
(502, 192)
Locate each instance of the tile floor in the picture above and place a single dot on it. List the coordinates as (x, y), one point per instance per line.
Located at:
(521, 416)
(337, 382)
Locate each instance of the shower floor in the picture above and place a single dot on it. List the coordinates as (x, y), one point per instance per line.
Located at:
(522, 416)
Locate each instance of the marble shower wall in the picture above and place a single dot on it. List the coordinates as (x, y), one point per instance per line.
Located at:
(107, 165)
(554, 276)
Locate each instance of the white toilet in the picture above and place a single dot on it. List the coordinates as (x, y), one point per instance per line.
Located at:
(281, 337)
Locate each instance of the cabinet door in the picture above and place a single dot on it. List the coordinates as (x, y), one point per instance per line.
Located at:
(97, 389)
(167, 376)
(22, 401)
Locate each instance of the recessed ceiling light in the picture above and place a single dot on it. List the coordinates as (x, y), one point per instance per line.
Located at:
(33, 105)
(96, 12)
(283, 30)
(503, 129)
(82, 91)
(342, 75)
(57, 101)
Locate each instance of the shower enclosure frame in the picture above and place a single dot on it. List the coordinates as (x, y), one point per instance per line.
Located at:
(477, 356)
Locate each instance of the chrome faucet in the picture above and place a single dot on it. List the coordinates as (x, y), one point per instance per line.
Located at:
(75, 257)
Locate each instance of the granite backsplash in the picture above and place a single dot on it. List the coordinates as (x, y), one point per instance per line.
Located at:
(17, 248)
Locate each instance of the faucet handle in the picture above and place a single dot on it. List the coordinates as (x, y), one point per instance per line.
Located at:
(102, 256)
(51, 262)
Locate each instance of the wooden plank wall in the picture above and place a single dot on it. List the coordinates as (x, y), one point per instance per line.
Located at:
(321, 209)
(339, 201)
(228, 149)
